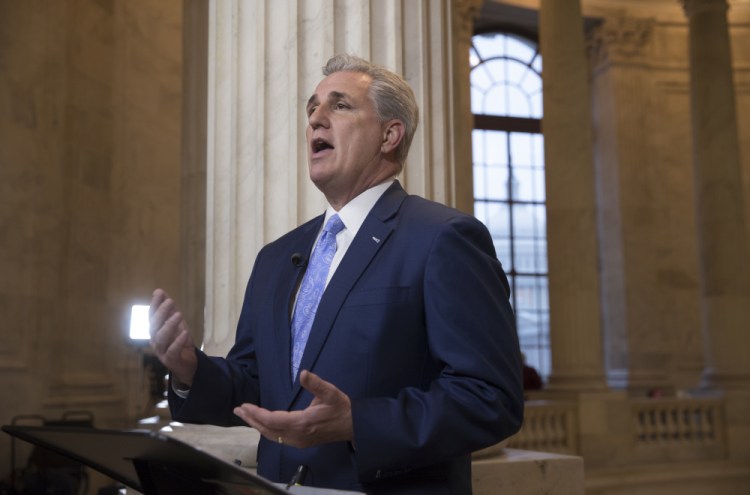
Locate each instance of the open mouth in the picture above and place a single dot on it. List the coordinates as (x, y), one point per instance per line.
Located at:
(320, 144)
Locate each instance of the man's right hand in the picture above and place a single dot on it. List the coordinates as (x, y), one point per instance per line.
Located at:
(171, 340)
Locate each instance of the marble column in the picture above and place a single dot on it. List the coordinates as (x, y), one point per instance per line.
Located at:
(459, 174)
(633, 208)
(724, 264)
(575, 309)
(263, 60)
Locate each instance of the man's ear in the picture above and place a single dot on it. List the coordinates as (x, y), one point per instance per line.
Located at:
(393, 133)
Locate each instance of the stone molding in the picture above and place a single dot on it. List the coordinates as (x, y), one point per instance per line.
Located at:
(694, 7)
(466, 11)
(619, 40)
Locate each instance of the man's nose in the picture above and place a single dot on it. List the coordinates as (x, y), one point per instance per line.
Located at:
(318, 117)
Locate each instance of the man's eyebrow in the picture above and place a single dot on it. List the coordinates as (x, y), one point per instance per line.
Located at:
(311, 100)
(337, 95)
(333, 95)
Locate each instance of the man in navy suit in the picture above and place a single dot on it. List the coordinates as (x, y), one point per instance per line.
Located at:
(412, 361)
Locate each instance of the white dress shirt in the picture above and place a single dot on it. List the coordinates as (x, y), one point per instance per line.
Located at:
(353, 214)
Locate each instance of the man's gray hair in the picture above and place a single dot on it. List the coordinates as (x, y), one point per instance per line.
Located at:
(391, 94)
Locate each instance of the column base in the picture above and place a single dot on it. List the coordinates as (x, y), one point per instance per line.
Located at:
(641, 384)
(725, 380)
(577, 382)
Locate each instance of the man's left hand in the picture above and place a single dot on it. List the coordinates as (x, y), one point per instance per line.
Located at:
(328, 418)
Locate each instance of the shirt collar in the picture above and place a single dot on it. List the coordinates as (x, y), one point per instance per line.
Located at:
(353, 213)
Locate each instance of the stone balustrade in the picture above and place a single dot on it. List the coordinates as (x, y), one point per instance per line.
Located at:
(683, 429)
(549, 426)
(659, 429)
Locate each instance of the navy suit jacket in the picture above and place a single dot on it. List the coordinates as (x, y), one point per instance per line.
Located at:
(415, 327)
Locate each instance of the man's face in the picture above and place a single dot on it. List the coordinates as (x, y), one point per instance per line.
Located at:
(344, 138)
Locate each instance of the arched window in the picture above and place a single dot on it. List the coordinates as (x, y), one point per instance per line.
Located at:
(509, 195)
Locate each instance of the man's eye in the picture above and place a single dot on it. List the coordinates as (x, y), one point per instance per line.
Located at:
(340, 106)
(311, 110)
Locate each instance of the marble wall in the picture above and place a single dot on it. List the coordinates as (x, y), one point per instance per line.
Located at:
(90, 116)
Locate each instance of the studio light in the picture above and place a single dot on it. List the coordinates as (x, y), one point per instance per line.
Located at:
(139, 322)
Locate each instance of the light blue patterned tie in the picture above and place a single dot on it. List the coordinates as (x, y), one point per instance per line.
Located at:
(311, 289)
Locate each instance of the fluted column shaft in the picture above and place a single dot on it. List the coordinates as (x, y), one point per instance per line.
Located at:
(718, 189)
(575, 322)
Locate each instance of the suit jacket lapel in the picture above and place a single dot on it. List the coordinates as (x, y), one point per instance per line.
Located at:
(371, 237)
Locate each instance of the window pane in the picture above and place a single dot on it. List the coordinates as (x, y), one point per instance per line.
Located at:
(515, 72)
(490, 165)
(527, 307)
(523, 221)
(540, 222)
(521, 148)
(533, 322)
(518, 103)
(488, 45)
(502, 248)
(538, 150)
(480, 182)
(543, 304)
(496, 147)
(529, 221)
(473, 57)
(525, 257)
(537, 64)
(477, 146)
(538, 192)
(537, 108)
(540, 251)
(520, 48)
(480, 211)
(522, 184)
(480, 78)
(497, 219)
(530, 255)
(531, 82)
(477, 99)
(524, 155)
(486, 180)
(497, 177)
(494, 102)
(528, 184)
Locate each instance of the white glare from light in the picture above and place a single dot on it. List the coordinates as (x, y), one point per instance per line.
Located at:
(139, 322)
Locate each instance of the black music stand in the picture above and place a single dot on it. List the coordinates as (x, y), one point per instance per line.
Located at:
(147, 461)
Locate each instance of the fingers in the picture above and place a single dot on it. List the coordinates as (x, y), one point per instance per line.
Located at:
(160, 309)
(156, 299)
(326, 419)
(255, 416)
(170, 338)
(171, 348)
(165, 335)
(275, 424)
(165, 323)
(322, 390)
